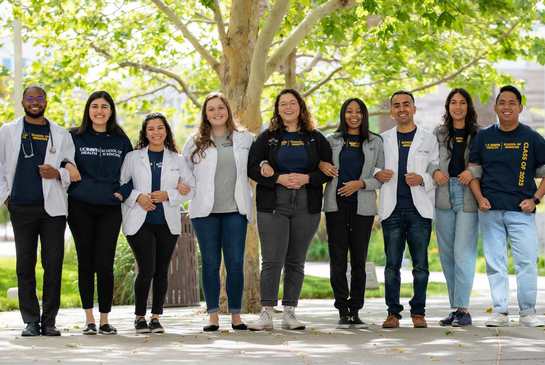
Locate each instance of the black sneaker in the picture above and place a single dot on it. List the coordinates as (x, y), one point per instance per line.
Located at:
(155, 326)
(32, 329)
(356, 322)
(107, 329)
(50, 331)
(141, 326)
(462, 319)
(344, 321)
(90, 329)
(447, 321)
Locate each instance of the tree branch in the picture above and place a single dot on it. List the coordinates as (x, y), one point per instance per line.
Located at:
(258, 74)
(219, 22)
(317, 58)
(471, 63)
(322, 82)
(151, 92)
(188, 35)
(152, 69)
(302, 30)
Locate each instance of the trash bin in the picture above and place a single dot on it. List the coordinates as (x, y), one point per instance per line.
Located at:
(183, 283)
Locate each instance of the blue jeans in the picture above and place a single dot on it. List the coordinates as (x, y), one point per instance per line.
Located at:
(217, 232)
(406, 225)
(457, 238)
(520, 228)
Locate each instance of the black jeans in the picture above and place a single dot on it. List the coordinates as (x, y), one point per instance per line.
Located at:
(406, 225)
(30, 222)
(152, 245)
(95, 229)
(348, 232)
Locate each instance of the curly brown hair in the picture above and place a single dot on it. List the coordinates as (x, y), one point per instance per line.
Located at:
(203, 138)
(305, 118)
(170, 144)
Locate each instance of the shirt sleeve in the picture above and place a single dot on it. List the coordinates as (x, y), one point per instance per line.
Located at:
(475, 149)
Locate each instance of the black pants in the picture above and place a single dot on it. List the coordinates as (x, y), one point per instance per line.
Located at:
(29, 222)
(348, 232)
(95, 229)
(152, 245)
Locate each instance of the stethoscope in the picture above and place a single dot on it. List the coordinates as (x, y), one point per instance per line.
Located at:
(52, 148)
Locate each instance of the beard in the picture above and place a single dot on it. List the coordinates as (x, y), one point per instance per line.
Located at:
(31, 114)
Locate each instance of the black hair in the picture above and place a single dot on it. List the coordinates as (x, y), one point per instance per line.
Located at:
(34, 87)
(170, 144)
(402, 92)
(364, 126)
(111, 126)
(470, 126)
(510, 88)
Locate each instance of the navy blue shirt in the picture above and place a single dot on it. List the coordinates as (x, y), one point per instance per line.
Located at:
(457, 162)
(404, 197)
(156, 216)
(99, 156)
(27, 182)
(292, 154)
(509, 161)
(351, 161)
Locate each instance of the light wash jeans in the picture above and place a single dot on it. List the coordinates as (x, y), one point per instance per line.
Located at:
(520, 228)
(457, 238)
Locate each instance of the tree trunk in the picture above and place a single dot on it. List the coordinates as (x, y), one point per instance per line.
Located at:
(290, 70)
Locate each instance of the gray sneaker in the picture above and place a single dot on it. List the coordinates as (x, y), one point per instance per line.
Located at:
(289, 321)
(497, 320)
(530, 320)
(264, 322)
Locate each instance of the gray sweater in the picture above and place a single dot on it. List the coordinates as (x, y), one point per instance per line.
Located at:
(374, 159)
(442, 195)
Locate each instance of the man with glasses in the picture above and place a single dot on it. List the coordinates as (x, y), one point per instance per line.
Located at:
(33, 186)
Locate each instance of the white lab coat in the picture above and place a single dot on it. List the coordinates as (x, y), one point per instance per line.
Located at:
(54, 190)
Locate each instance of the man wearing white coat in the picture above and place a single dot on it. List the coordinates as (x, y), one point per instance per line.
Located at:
(33, 186)
(406, 206)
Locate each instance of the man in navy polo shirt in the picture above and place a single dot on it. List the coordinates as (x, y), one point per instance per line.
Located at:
(508, 154)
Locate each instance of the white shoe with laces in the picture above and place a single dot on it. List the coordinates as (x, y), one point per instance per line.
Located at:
(530, 320)
(289, 321)
(497, 320)
(264, 322)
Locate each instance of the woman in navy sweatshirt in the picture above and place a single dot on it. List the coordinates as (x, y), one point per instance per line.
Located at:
(94, 213)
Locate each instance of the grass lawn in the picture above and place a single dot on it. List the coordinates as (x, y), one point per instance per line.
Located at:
(69, 289)
(320, 288)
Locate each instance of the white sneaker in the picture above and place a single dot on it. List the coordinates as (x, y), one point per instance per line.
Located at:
(497, 320)
(264, 322)
(289, 321)
(530, 320)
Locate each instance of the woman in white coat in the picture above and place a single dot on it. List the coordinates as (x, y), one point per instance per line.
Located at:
(151, 214)
(221, 204)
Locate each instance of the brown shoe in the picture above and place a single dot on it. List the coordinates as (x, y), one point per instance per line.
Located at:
(419, 321)
(391, 322)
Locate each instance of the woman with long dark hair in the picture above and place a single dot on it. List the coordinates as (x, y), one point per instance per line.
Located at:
(456, 207)
(350, 206)
(151, 213)
(284, 162)
(94, 214)
(221, 207)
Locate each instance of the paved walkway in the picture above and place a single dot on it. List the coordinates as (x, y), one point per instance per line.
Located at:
(321, 343)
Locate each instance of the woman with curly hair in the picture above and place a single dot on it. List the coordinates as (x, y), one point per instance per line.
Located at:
(284, 162)
(151, 213)
(221, 206)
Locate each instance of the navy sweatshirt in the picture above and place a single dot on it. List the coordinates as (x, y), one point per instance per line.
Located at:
(99, 157)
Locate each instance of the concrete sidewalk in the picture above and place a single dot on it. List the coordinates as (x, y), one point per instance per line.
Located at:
(321, 343)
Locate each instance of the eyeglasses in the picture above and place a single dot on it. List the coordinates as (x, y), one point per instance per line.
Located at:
(30, 99)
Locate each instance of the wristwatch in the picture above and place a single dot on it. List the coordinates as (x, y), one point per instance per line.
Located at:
(536, 200)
